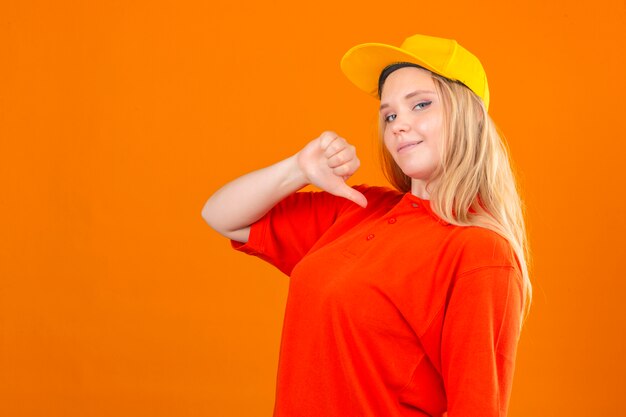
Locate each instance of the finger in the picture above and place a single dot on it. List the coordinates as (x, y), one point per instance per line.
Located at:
(337, 145)
(326, 138)
(358, 198)
(342, 157)
(347, 169)
(345, 191)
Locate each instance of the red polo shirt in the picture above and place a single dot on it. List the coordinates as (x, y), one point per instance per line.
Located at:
(391, 311)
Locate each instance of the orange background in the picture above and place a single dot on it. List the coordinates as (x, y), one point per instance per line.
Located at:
(118, 120)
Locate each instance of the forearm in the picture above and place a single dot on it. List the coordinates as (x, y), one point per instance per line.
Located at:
(237, 205)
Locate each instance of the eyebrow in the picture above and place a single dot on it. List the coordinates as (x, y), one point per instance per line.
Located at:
(408, 96)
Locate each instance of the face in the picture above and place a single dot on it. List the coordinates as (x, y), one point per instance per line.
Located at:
(412, 115)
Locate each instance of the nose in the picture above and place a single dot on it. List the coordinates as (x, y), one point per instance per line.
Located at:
(400, 125)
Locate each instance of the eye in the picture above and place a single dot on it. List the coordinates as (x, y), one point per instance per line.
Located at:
(422, 105)
(390, 118)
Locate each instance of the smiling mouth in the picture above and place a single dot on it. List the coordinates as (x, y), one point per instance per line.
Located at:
(409, 145)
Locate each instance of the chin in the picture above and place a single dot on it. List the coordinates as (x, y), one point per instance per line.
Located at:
(419, 175)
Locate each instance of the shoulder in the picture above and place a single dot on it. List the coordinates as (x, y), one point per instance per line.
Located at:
(483, 248)
(376, 190)
(488, 269)
(377, 194)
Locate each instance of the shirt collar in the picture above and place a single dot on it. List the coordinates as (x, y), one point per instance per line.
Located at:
(411, 199)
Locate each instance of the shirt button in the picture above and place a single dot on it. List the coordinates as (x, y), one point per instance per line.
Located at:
(415, 205)
(392, 220)
(370, 237)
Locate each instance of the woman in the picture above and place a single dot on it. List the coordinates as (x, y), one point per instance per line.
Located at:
(403, 302)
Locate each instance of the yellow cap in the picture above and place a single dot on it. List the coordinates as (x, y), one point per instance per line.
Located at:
(364, 63)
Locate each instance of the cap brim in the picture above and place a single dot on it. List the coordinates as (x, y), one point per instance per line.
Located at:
(363, 64)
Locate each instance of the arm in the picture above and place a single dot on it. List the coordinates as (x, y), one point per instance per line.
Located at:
(234, 207)
(326, 162)
(479, 341)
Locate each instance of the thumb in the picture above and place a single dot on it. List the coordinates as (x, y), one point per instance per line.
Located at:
(345, 191)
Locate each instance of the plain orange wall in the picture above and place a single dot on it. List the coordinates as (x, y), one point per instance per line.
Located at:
(119, 119)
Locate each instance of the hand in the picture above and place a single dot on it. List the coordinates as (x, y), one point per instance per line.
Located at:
(327, 162)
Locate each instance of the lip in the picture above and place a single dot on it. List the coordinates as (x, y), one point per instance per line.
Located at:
(408, 145)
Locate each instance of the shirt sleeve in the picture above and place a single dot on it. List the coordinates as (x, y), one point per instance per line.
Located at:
(290, 229)
(479, 341)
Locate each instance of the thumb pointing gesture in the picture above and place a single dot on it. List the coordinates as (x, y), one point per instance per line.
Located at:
(327, 162)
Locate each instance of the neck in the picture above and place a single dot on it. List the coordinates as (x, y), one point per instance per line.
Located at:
(419, 189)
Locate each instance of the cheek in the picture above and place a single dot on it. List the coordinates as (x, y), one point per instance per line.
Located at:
(428, 126)
(433, 129)
(438, 133)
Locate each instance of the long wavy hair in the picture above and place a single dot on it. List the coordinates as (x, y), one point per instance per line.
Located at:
(474, 184)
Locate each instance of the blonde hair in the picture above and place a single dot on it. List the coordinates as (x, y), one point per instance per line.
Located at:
(475, 184)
